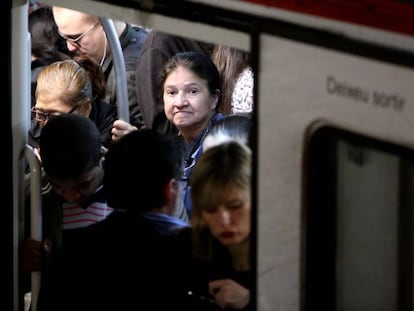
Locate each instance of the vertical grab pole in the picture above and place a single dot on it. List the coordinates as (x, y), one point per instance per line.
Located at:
(18, 112)
(35, 215)
(119, 66)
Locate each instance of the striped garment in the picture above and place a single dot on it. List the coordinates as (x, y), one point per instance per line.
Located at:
(75, 216)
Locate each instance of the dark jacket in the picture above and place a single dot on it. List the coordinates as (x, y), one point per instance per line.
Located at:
(199, 272)
(104, 116)
(121, 263)
(131, 40)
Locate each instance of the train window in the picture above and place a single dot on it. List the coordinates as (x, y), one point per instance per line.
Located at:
(358, 217)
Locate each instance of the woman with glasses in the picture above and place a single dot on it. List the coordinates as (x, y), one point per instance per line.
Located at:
(72, 86)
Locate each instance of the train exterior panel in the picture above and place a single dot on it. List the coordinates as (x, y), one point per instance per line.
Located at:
(303, 87)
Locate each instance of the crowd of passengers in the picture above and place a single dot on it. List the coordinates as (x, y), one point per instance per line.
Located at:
(153, 212)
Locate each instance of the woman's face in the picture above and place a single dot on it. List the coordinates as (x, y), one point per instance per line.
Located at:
(229, 221)
(188, 103)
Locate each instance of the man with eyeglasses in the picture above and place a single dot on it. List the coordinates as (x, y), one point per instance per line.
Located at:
(84, 34)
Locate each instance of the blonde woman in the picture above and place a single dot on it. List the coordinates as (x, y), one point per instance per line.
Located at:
(219, 266)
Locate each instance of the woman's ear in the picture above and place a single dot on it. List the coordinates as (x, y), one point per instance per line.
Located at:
(215, 100)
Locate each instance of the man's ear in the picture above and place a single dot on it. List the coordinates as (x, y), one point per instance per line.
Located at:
(170, 193)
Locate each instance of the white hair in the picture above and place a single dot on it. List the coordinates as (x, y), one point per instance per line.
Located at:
(221, 136)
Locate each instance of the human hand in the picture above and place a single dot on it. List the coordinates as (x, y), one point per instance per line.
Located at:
(121, 128)
(33, 254)
(229, 294)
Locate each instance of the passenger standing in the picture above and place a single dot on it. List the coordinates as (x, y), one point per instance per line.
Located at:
(157, 49)
(219, 240)
(84, 34)
(191, 95)
(70, 149)
(72, 156)
(123, 262)
(72, 86)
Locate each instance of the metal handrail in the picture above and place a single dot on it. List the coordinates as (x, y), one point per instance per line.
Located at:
(35, 215)
(119, 66)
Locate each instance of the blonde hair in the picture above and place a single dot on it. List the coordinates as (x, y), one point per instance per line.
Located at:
(65, 81)
(223, 164)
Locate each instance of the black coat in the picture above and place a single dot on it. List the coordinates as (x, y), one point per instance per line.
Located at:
(131, 40)
(198, 273)
(120, 263)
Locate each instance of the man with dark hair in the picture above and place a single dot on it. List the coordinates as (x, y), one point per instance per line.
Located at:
(122, 262)
(70, 146)
(70, 151)
(72, 192)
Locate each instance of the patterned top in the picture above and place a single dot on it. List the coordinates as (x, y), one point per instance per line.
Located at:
(75, 216)
(83, 215)
(242, 98)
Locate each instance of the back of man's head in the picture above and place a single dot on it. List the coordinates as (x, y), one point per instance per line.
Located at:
(137, 169)
(69, 146)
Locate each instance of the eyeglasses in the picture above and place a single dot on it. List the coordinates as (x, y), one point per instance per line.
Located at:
(42, 116)
(75, 39)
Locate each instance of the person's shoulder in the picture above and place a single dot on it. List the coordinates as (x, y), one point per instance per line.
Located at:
(132, 39)
(138, 33)
(181, 236)
(139, 30)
